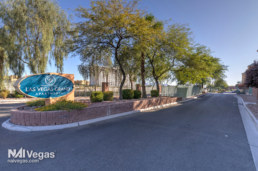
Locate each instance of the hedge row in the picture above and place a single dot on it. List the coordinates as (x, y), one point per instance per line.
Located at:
(108, 96)
(154, 93)
(131, 94)
(98, 96)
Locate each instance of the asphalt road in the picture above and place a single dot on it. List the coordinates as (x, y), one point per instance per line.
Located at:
(205, 134)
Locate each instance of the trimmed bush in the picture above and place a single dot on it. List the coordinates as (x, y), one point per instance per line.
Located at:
(63, 105)
(127, 94)
(137, 94)
(18, 95)
(154, 93)
(36, 103)
(4, 93)
(108, 96)
(96, 96)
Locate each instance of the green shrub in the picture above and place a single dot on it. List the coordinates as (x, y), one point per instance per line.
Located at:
(154, 93)
(4, 93)
(127, 94)
(137, 94)
(63, 105)
(36, 103)
(18, 95)
(222, 91)
(108, 95)
(15, 95)
(96, 96)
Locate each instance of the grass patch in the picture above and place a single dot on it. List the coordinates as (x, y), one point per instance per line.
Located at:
(36, 103)
(63, 105)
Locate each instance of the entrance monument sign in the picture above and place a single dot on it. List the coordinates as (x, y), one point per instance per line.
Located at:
(47, 86)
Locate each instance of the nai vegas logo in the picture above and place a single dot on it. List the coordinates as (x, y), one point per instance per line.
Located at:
(27, 156)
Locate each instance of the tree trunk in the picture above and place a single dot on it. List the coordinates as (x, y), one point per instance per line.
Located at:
(157, 84)
(1, 68)
(123, 75)
(131, 82)
(144, 95)
(156, 78)
(203, 81)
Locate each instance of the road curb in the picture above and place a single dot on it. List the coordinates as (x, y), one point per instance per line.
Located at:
(250, 129)
(194, 98)
(255, 121)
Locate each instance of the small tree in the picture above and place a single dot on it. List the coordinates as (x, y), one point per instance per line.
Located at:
(220, 84)
(168, 50)
(108, 25)
(131, 64)
(252, 75)
(145, 38)
(199, 67)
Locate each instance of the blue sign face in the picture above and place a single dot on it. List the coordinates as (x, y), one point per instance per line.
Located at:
(46, 86)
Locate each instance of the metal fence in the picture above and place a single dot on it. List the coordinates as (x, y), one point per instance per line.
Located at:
(172, 91)
(86, 90)
(180, 91)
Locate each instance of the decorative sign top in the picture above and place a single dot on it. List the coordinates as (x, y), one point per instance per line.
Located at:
(45, 86)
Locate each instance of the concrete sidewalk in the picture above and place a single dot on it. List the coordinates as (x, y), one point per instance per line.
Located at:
(250, 124)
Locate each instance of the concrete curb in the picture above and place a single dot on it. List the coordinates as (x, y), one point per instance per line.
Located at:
(13, 102)
(8, 125)
(194, 98)
(250, 129)
(16, 100)
(188, 100)
(255, 121)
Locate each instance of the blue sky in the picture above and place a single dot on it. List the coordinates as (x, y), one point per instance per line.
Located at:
(228, 27)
